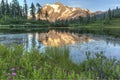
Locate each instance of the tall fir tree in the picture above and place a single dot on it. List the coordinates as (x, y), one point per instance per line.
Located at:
(117, 12)
(46, 15)
(87, 16)
(21, 12)
(32, 11)
(25, 10)
(2, 7)
(7, 8)
(80, 19)
(109, 14)
(15, 7)
(39, 8)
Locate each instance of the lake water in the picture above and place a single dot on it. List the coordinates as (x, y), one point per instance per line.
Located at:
(109, 45)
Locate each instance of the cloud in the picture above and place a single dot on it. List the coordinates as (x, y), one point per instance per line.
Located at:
(78, 3)
(74, 4)
(5, 0)
(116, 5)
(9, 0)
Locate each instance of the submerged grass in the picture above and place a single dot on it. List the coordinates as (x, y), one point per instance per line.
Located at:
(54, 63)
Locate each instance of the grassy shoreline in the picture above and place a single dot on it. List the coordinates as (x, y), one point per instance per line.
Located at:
(112, 27)
(54, 63)
(98, 27)
(111, 31)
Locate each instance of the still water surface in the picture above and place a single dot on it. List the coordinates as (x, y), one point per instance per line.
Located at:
(109, 45)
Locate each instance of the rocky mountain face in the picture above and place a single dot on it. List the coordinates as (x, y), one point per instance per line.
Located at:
(58, 11)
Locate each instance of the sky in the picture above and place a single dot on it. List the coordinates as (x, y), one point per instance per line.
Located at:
(93, 5)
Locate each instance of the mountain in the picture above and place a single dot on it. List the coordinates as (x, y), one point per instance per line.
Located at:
(58, 11)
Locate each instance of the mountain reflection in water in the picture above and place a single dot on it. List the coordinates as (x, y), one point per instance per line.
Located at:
(109, 45)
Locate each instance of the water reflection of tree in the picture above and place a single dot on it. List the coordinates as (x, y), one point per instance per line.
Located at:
(37, 35)
(114, 41)
(35, 43)
(111, 40)
(27, 40)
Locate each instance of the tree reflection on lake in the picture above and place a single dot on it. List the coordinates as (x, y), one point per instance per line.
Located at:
(109, 45)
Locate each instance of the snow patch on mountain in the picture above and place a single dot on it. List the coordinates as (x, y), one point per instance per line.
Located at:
(56, 8)
(73, 9)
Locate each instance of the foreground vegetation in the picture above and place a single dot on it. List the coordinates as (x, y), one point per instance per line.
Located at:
(54, 63)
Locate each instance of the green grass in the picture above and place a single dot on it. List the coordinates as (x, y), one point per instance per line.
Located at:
(54, 63)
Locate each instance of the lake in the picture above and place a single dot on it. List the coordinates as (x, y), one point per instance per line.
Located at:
(100, 43)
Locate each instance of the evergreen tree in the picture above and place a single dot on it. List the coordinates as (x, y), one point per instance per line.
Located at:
(46, 15)
(32, 11)
(15, 8)
(7, 8)
(93, 18)
(113, 13)
(2, 7)
(25, 12)
(21, 11)
(80, 20)
(104, 16)
(39, 8)
(117, 12)
(11, 9)
(88, 17)
(109, 14)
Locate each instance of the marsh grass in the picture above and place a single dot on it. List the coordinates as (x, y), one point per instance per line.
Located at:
(54, 63)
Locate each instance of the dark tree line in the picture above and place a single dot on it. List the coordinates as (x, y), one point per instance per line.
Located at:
(14, 9)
